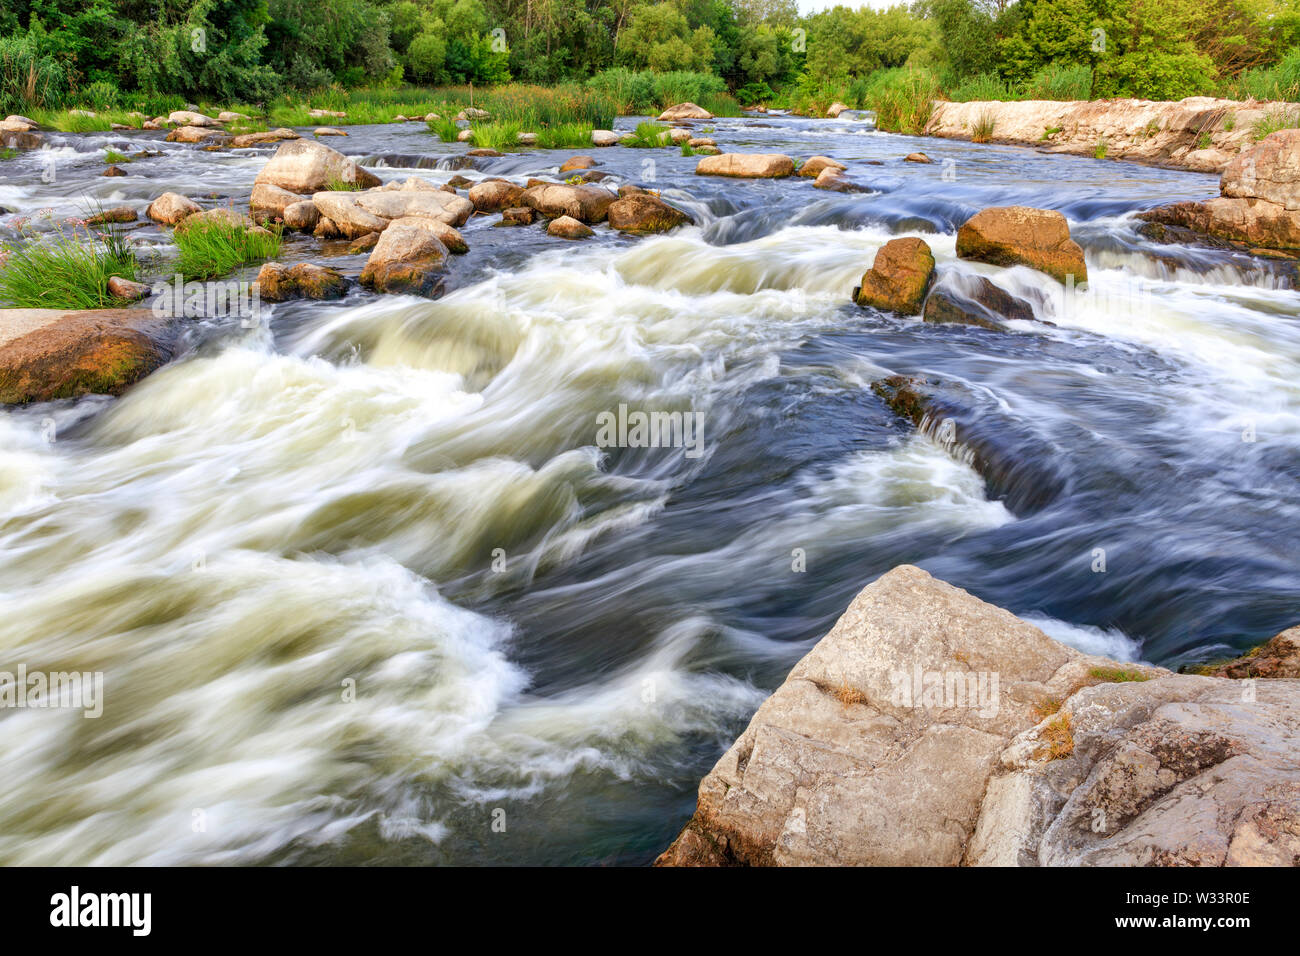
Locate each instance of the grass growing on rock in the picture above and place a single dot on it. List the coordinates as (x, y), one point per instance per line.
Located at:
(564, 136)
(1057, 737)
(113, 157)
(498, 136)
(1274, 120)
(66, 269)
(213, 248)
(1117, 675)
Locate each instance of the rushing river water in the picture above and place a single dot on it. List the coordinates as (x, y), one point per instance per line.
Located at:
(401, 501)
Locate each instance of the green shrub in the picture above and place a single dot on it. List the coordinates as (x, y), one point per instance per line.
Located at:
(982, 86)
(1069, 82)
(445, 128)
(67, 269)
(903, 99)
(498, 136)
(564, 136)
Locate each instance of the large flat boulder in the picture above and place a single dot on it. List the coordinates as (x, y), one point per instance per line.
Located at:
(930, 728)
(1022, 235)
(305, 166)
(1259, 203)
(355, 214)
(899, 277)
(48, 354)
(746, 165)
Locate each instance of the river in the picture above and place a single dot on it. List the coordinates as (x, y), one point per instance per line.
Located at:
(364, 590)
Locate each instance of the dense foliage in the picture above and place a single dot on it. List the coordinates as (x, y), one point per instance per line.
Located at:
(147, 53)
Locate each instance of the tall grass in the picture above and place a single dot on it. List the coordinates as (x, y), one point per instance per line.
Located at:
(564, 136)
(445, 128)
(903, 99)
(28, 81)
(1274, 120)
(1054, 82)
(66, 269)
(649, 136)
(638, 92)
(983, 129)
(498, 136)
(982, 86)
(1278, 82)
(66, 121)
(213, 248)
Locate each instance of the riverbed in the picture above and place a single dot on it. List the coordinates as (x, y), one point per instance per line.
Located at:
(364, 589)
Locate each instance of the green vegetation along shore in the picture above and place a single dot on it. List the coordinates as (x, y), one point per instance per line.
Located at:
(375, 59)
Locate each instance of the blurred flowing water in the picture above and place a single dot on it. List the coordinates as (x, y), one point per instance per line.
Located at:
(402, 501)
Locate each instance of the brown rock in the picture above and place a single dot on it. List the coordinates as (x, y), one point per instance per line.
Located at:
(642, 213)
(61, 354)
(494, 195)
(816, 164)
(1279, 657)
(746, 165)
(685, 111)
(127, 290)
(409, 258)
(363, 244)
(1020, 235)
(517, 216)
(985, 305)
(114, 171)
(917, 158)
(269, 202)
(566, 227)
(278, 283)
(899, 277)
(302, 215)
(267, 136)
(116, 214)
(171, 208)
(588, 204)
(577, 162)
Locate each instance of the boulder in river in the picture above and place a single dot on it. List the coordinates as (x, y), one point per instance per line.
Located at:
(643, 213)
(1021, 235)
(835, 109)
(685, 111)
(171, 208)
(604, 137)
(517, 216)
(408, 258)
(48, 354)
(357, 213)
(917, 158)
(126, 290)
(113, 171)
(277, 282)
(190, 118)
(328, 131)
(834, 180)
(816, 164)
(21, 139)
(117, 214)
(266, 136)
(746, 165)
(589, 204)
(194, 134)
(305, 166)
(566, 227)
(494, 195)
(899, 277)
(931, 728)
(1259, 201)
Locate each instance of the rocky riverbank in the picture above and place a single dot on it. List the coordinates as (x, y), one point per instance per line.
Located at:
(1199, 133)
(931, 728)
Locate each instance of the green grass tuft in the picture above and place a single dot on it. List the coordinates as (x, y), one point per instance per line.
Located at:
(66, 269)
(213, 248)
(649, 136)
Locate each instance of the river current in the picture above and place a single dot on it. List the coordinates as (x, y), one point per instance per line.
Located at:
(364, 589)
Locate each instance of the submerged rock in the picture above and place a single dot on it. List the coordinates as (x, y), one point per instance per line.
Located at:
(305, 166)
(981, 304)
(746, 165)
(917, 158)
(899, 277)
(48, 354)
(577, 162)
(643, 213)
(1022, 235)
(116, 214)
(931, 728)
